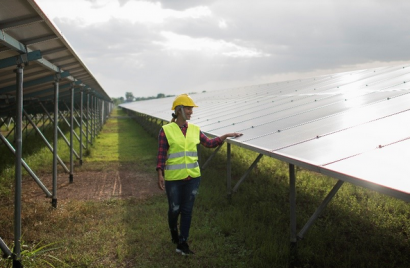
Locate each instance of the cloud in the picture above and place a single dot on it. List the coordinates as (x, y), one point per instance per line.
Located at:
(184, 4)
(151, 47)
(93, 12)
(206, 46)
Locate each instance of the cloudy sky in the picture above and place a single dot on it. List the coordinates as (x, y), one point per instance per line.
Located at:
(149, 47)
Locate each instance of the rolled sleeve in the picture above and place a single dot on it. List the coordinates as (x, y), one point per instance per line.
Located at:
(209, 143)
(162, 150)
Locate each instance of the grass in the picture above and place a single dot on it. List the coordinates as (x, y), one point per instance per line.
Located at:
(359, 228)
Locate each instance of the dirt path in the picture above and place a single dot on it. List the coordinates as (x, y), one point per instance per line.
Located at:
(92, 185)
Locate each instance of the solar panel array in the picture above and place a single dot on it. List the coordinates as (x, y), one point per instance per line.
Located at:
(352, 126)
(27, 35)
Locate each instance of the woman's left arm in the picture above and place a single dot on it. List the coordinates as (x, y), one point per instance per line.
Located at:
(230, 135)
(212, 143)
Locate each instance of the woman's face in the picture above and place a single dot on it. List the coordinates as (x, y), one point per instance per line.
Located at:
(188, 112)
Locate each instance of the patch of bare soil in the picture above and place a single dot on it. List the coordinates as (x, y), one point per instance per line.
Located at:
(124, 182)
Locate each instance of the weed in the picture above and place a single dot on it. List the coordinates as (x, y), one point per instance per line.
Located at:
(37, 255)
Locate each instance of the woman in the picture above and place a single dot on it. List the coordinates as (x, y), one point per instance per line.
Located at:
(178, 170)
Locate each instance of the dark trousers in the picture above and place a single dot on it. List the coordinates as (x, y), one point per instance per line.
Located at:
(181, 196)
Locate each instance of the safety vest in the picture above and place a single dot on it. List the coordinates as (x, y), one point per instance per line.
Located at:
(182, 158)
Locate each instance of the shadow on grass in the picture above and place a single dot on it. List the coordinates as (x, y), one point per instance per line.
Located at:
(359, 228)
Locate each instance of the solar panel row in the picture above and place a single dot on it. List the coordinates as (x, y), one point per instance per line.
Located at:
(353, 125)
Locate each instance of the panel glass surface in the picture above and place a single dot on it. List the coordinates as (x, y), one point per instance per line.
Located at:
(328, 119)
(387, 166)
(352, 141)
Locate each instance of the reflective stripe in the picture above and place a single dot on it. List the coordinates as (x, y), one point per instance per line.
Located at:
(181, 166)
(181, 154)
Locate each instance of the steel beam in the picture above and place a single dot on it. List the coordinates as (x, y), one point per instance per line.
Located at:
(20, 59)
(12, 43)
(35, 82)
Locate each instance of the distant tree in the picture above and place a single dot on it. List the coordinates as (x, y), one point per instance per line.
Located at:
(129, 96)
(160, 95)
(117, 101)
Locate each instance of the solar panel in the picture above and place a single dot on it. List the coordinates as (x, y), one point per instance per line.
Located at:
(26, 29)
(350, 125)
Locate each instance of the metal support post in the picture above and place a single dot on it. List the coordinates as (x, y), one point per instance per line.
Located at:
(81, 127)
(18, 173)
(95, 117)
(99, 112)
(75, 120)
(79, 124)
(292, 200)
(87, 121)
(92, 119)
(229, 171)
(71, 135)
(63, 117)
(55, 143)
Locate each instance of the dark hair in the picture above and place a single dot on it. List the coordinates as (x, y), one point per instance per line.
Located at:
(174, 117)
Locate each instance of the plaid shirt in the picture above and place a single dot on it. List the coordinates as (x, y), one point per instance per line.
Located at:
(163, 145)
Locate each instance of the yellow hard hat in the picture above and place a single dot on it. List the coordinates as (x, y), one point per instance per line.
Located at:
(184, 100)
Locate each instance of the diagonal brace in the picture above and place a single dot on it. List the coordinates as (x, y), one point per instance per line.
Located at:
(59, 131)
(28, 169)
(7, 252)
(45, 141)
(319, 210)
(68, 124)
(247, 172)
(211, 156)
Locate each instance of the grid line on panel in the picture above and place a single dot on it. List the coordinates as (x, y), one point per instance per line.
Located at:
(292, 99)
(343, 129)
(379, 147)
(307, 122)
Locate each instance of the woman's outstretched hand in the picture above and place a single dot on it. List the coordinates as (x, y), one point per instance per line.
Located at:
(231, 135)
(235, 134)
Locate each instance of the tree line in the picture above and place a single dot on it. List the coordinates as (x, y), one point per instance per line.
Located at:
(129, 97)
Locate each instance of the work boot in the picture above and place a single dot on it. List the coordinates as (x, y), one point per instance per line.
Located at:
(175, 237)
(183, 248)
